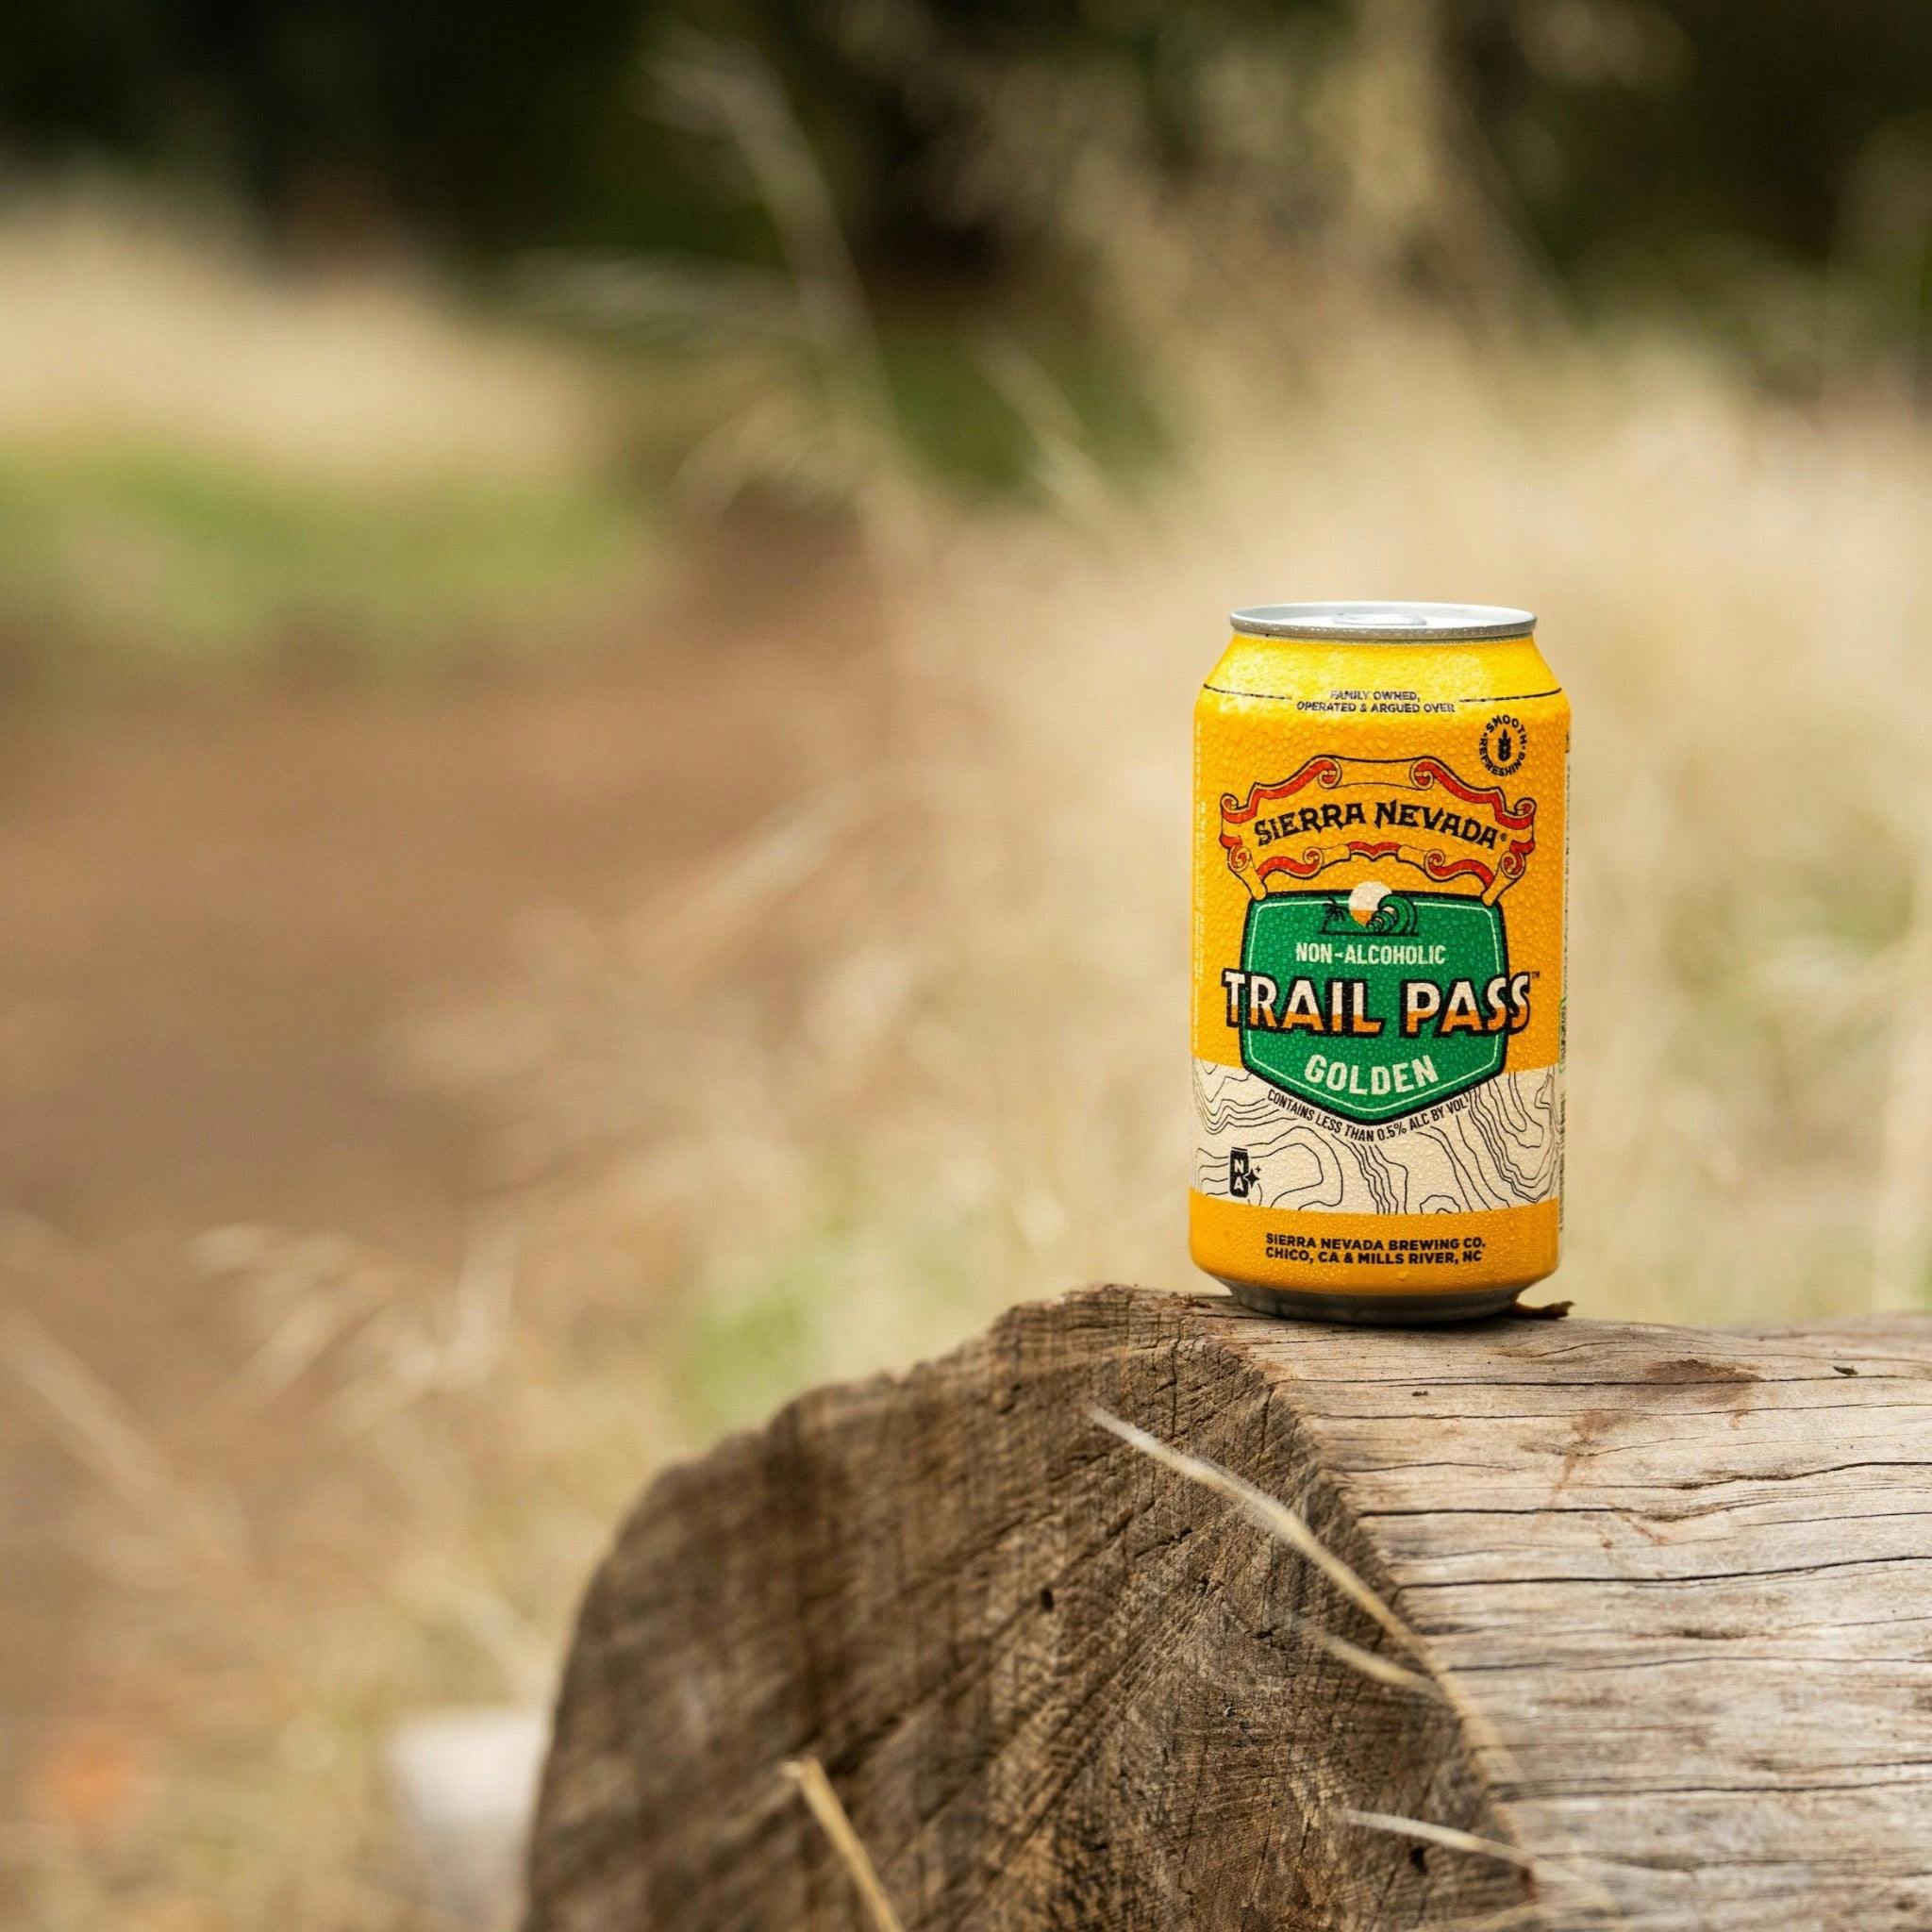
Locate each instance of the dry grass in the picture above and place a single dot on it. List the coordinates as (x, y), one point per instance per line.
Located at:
(913, 1047)
(129, 321)
(808, 1776)
(211, 460)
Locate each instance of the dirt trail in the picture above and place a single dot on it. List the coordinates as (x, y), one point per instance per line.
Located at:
(215, 916)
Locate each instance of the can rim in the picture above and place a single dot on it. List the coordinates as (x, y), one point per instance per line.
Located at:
(1386, 622)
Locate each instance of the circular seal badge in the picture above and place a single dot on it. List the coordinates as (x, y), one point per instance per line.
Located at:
(1504, 744)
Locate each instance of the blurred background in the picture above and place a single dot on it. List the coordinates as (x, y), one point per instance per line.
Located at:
(598, 608)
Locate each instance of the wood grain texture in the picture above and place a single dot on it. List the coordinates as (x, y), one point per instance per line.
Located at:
(1675, 1587)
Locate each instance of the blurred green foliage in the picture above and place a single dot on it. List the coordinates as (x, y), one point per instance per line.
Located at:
(1665, 142)
(1635, 129)
(969, 434)
(1765, 166)
(826, 1301)
(181, 565)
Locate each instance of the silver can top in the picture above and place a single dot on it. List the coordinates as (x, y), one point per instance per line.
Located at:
(1385, 624)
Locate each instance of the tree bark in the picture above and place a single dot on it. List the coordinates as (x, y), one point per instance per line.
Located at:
(1662, 1634)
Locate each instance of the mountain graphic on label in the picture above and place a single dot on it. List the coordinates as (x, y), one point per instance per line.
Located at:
(1371, 908)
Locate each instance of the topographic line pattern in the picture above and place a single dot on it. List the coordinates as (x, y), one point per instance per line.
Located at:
(1498, 1146)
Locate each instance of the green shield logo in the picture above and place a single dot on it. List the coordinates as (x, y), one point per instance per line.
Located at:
(1367, 1068)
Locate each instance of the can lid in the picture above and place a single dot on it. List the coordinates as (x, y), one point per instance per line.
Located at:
(1385, 624)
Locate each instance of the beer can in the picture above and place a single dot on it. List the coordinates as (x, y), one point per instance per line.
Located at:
(1379, 813)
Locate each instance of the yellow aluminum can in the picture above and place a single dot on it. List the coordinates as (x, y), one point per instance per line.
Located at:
(1380, 799)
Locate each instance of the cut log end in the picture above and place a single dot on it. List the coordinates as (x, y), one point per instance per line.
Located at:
(1557, 1624)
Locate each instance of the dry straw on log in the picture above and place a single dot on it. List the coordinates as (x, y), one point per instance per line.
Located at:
(1143, 1612)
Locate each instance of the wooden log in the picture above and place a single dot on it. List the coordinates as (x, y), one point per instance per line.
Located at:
(1660, 1639)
